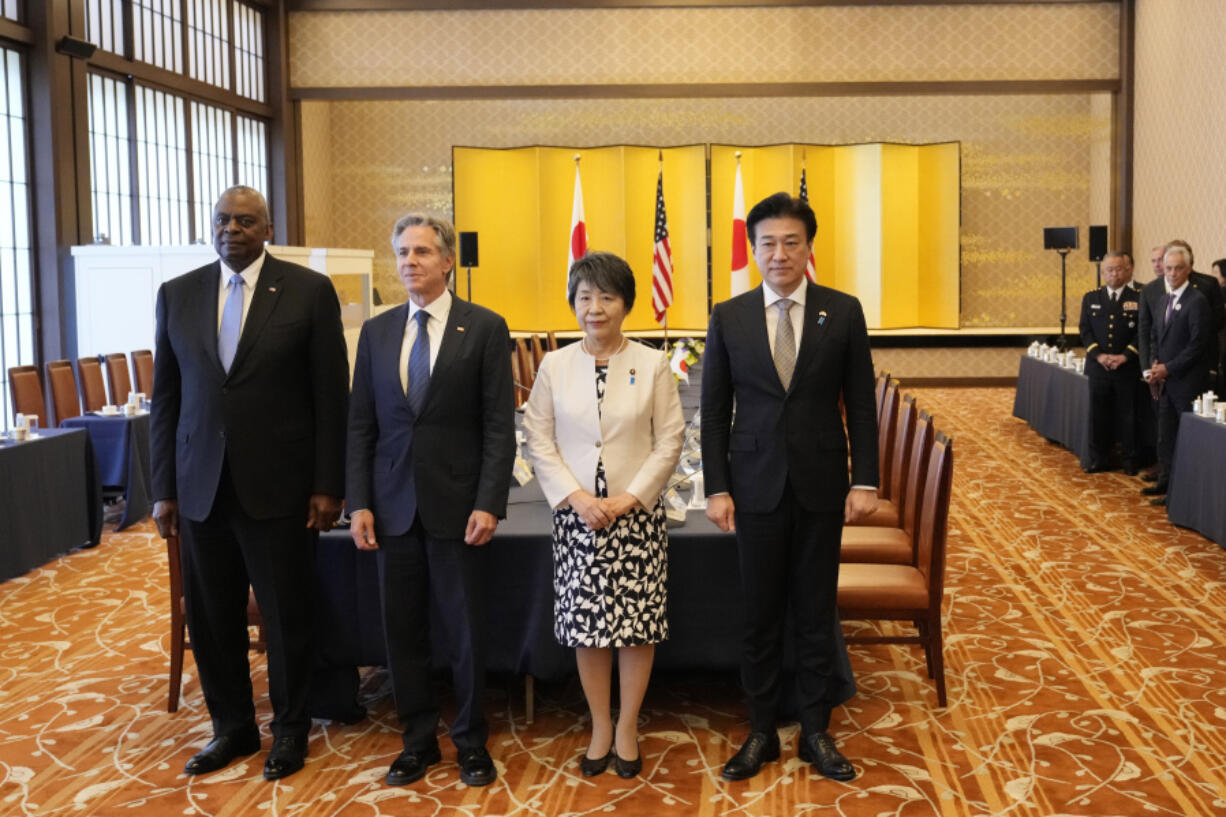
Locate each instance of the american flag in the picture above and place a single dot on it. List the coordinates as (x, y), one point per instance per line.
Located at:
(661, 259)
(811, 267)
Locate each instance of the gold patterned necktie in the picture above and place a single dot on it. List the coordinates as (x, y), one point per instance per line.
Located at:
(785, 343)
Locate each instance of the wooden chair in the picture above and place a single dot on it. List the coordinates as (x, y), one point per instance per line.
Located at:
(551, 341)
(538, 352)
(142, 367)
(521, 394)
(892, 498)
(909, 592)
(883, 380)
(885, 435)
(178, 623)
(65, 400)
(527, 370)
(118, 378)
(893, 545)
(26, 389)
(93, 390)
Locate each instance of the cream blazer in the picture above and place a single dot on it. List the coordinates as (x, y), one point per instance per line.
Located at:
(638, 431)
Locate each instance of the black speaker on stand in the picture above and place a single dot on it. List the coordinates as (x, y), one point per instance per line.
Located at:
(1063, 240)
(1098, 249)
(468, 257)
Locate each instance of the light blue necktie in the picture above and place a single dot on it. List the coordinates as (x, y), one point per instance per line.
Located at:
(231, 322)
(419, 364)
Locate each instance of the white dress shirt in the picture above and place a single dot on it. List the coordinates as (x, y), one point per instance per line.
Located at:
(251, 276)
(438, 310)
(796, 312)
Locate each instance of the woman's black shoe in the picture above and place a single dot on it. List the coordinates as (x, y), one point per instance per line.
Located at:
(628, 768)
(592, 766)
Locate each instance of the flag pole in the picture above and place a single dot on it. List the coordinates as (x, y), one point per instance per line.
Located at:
(660, 172)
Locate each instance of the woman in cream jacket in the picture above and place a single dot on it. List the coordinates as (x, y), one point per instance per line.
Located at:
(604, 430)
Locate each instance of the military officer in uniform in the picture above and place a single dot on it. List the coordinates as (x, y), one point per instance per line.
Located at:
(1109, 318)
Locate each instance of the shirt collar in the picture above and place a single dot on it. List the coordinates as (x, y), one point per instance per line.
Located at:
(1178, 292)
(250, 273)
(438, 309)
(797, 297)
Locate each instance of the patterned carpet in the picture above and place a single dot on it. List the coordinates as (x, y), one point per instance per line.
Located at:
(1086, 652)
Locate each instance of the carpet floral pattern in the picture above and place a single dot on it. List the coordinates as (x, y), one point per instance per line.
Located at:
(1085, 647)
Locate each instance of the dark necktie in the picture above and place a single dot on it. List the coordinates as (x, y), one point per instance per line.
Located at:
(419, 364)
(1170, 307)
(785, 343)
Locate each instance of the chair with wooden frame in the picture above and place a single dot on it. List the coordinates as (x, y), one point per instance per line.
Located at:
(892, 498)
(178, 622)
(551, 341)
(93, 390)
(521, 394)
(887, 544)
(527, 371)
(538, 352)
(65, 399)
(877, 592)
(26, 390)
(119, 380)
(142, 368)
(883, 381)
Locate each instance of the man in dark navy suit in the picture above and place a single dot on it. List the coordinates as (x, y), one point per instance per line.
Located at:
(431, 446)
(248, 441)
(1182, 342)
(1108, 326)
(785, 354)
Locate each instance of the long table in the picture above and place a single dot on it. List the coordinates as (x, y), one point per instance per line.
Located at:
(705, 607)
(121, 445)
(53, 502)
(1055, 402)
(1196, 497)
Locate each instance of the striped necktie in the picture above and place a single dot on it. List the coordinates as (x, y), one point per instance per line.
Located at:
(419, 364)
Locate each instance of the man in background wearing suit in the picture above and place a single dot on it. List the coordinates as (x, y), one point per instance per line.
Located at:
(1109, 333)
(431, 446)
(248, 443)
(784, 354)
(1180, 340)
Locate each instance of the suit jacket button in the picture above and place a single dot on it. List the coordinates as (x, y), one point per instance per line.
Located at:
(598, 443)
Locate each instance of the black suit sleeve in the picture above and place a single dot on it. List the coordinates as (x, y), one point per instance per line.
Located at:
(716, 410)
(363, 432)
(164, 419)
(497, 422)
(1147, 329)
(330, 390)
(860, 403)
(1086, 327)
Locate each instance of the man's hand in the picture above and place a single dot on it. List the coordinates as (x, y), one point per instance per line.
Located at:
(362, 529)
(860, 503)
(722, 511)
(481, 527)
(590, 509)
(166, 515)
(1158, 373)
(323, 511)
(619, 505)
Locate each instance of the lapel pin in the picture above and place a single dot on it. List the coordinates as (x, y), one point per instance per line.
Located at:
(821, 317)
(272, 289)
(632, 377)
(459, 328)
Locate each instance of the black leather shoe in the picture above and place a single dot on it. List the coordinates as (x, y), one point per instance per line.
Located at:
(592, 766)
(476, 768)
(288, 755)
(1130, 470)
(221, 752)
(1157, 489)
(1096, 468)
(1161, 500)
(1150, 476)
(411, 766)
(818, 748)
(757, 749)
(627, 768)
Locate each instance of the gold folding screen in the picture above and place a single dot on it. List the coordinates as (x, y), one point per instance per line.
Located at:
(888, 222)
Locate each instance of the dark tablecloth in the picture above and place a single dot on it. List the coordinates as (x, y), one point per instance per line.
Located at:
(1196, 497)
(121, 445)
(1055, 402)
(704, 606)
(53, 502)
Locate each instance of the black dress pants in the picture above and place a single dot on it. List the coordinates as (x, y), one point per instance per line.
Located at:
(1169, 411)
(421, 576)
(223, 555)
(1113, 399)
(789, 557)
